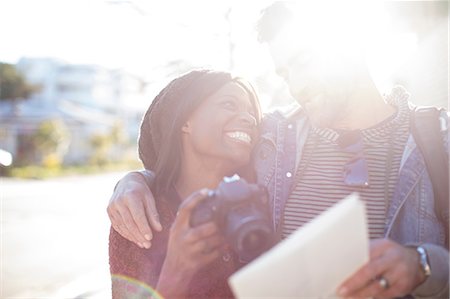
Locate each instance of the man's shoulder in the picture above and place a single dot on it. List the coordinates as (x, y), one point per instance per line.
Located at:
(440, 113)
(427, 123)
(285, 113)
(276, 119)
(444, 119)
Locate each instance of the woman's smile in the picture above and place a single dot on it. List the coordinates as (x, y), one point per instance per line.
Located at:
(240, 137)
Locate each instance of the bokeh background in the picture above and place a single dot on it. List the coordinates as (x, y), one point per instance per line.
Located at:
(75, 79)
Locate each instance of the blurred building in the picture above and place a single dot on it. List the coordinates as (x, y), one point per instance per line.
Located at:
(90, 100)
(425, 74)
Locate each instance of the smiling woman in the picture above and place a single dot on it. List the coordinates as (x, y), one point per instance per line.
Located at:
(201, 127)
(222, 129)
(190, 117)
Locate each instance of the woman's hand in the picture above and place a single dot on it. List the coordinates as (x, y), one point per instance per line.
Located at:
(189, 248)
(132, 210)
(392, 271)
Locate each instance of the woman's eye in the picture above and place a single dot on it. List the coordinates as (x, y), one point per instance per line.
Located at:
(229, 105)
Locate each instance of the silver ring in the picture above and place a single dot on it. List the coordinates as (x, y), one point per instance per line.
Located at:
(383, 283)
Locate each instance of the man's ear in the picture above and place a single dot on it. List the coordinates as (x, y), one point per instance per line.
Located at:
(186, 128)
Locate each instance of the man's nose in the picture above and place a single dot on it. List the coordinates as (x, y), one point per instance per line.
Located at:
(283, 72)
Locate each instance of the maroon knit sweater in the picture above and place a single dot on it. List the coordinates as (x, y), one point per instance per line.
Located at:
(127, 259)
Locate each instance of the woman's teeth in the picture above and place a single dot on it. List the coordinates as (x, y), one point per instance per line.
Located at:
(241, 136)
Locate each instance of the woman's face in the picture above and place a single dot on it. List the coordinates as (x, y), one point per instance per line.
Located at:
(223, 127)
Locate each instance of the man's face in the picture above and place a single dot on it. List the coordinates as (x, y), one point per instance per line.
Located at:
(318, 77)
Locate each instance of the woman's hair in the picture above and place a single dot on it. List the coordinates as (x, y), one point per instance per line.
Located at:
(160, 147)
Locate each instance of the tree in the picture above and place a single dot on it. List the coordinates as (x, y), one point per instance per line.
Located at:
(51, 140)
(13, 85)
(101, 144)
(108, 147)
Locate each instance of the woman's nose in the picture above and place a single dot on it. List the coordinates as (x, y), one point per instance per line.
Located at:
(248, 119)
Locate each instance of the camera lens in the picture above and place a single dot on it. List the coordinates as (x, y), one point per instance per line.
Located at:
(240, 211)
(254, 241)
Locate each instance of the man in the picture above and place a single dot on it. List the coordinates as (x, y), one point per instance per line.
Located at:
(346, 137)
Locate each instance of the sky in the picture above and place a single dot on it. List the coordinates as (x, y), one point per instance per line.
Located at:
(144, 36)
(137, 35)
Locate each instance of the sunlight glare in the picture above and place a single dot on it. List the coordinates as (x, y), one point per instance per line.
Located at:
(340, 32)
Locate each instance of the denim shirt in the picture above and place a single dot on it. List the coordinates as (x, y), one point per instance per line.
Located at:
(411, 218)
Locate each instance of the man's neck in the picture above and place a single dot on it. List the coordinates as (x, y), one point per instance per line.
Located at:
(366, 109)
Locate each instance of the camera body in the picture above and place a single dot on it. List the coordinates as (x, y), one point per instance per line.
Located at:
(240, 210)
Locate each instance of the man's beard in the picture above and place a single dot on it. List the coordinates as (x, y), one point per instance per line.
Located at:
(327, 112)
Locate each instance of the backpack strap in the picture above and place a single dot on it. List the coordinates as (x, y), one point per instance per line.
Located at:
(426, 130)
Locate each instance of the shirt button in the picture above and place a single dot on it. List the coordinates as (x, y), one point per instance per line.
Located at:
(288, 174)
(289, 126)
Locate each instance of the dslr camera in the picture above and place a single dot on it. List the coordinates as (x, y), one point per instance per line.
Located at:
(240, 210)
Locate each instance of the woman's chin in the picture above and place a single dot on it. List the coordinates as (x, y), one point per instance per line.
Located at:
(238, 161)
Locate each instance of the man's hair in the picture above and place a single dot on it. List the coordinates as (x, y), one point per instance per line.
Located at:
(160, 146)
(272, 20)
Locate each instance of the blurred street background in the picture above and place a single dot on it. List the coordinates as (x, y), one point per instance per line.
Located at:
(76, 77)
(55, 236)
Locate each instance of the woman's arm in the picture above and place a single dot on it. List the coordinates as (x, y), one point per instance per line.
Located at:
(132, 209)
(168, 269)
(134, 271)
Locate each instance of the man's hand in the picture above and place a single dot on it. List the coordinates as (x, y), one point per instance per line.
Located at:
(132, 210)
(392, 271)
